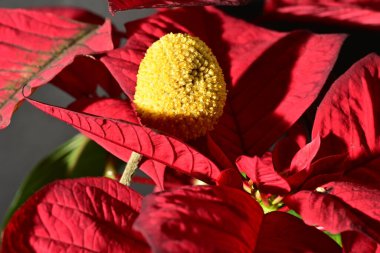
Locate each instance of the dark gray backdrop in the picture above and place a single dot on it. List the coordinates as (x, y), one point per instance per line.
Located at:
(32, 135)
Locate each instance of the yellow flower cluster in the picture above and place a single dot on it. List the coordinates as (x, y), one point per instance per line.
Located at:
(180, 87)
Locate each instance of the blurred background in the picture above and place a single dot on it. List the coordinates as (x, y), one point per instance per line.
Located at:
(32, 135)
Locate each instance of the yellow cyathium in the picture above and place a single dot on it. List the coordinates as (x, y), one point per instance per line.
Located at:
(180, 87)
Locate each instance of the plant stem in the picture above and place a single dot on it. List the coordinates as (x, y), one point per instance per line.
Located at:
(130, 168)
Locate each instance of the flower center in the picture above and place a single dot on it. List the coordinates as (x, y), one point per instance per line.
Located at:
(180, 87)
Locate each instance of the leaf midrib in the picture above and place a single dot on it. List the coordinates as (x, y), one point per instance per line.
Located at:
(55, 56)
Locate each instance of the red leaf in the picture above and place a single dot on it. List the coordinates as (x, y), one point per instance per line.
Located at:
(332, 213)
(217, 154)
(82, 77)
(75, 13)
(262, 106)
(374, 4)
(364, 171)
(121, 137)
(82, 15)
(200, 219)
(282, 232)
(230, 177)
(362, 197)
(121, 5)
(263, 174)
(356, 242)
(111, 108)
(121, 110)
(288, 146)
(35, 47)
(156, 171)
(348, 117)
(255, 116)
(347, 14)
(303, 158)
(81, 215)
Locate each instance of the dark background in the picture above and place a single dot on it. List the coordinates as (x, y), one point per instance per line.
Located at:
(32, 135)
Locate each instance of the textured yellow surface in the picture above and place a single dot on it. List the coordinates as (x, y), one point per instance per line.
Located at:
(180, 87)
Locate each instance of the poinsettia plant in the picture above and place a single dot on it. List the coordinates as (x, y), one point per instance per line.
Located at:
(257, 126)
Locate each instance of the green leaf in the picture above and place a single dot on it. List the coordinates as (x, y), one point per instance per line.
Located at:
(336, 237)
(78, 157)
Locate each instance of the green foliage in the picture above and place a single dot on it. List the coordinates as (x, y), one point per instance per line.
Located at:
(78, 157)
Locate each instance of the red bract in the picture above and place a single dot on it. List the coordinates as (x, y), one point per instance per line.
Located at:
(99, 215)
(348, 119)
(261, 105)
(31, 59)
(362, 14)
(121, 136)
(121, 5)
(81, 215)
(334, 179)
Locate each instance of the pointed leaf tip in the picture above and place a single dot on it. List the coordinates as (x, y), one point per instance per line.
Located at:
(31, 58)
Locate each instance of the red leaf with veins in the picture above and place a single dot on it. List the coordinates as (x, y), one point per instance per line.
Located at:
(231, 220)
(230, 177)
(82, 15)
(359, 196)
(262, 106)
(348, 118)
(200, 219)
(81, 215)
(285, 149)
(261, 171)
(121, 110)
(282, 232)
(255, 116)
(356, 242)
(120, 137)
(303, 158)
(370, 4)
(82, 77)
(75, 13)
(121, 5)
(31, 59)
(354, 14)
(332, 213)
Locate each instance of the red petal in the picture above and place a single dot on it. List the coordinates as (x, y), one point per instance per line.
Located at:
(31, 59)
(366, 171)
(75, 13)
(374, 4)
(282, 232)
(356, 242)
(347, 14)
(217, 153)
(231, 178)
(263, 174)
(364, 198)
(121, 137)
(302, 159)
(261, 106)
(348, 118)
(200, 219)
(287, 147)
(81, 215)
(106, 107)
(332, 213)
(255, 116)
(82, 77)
(121, 5)
(121, 110)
